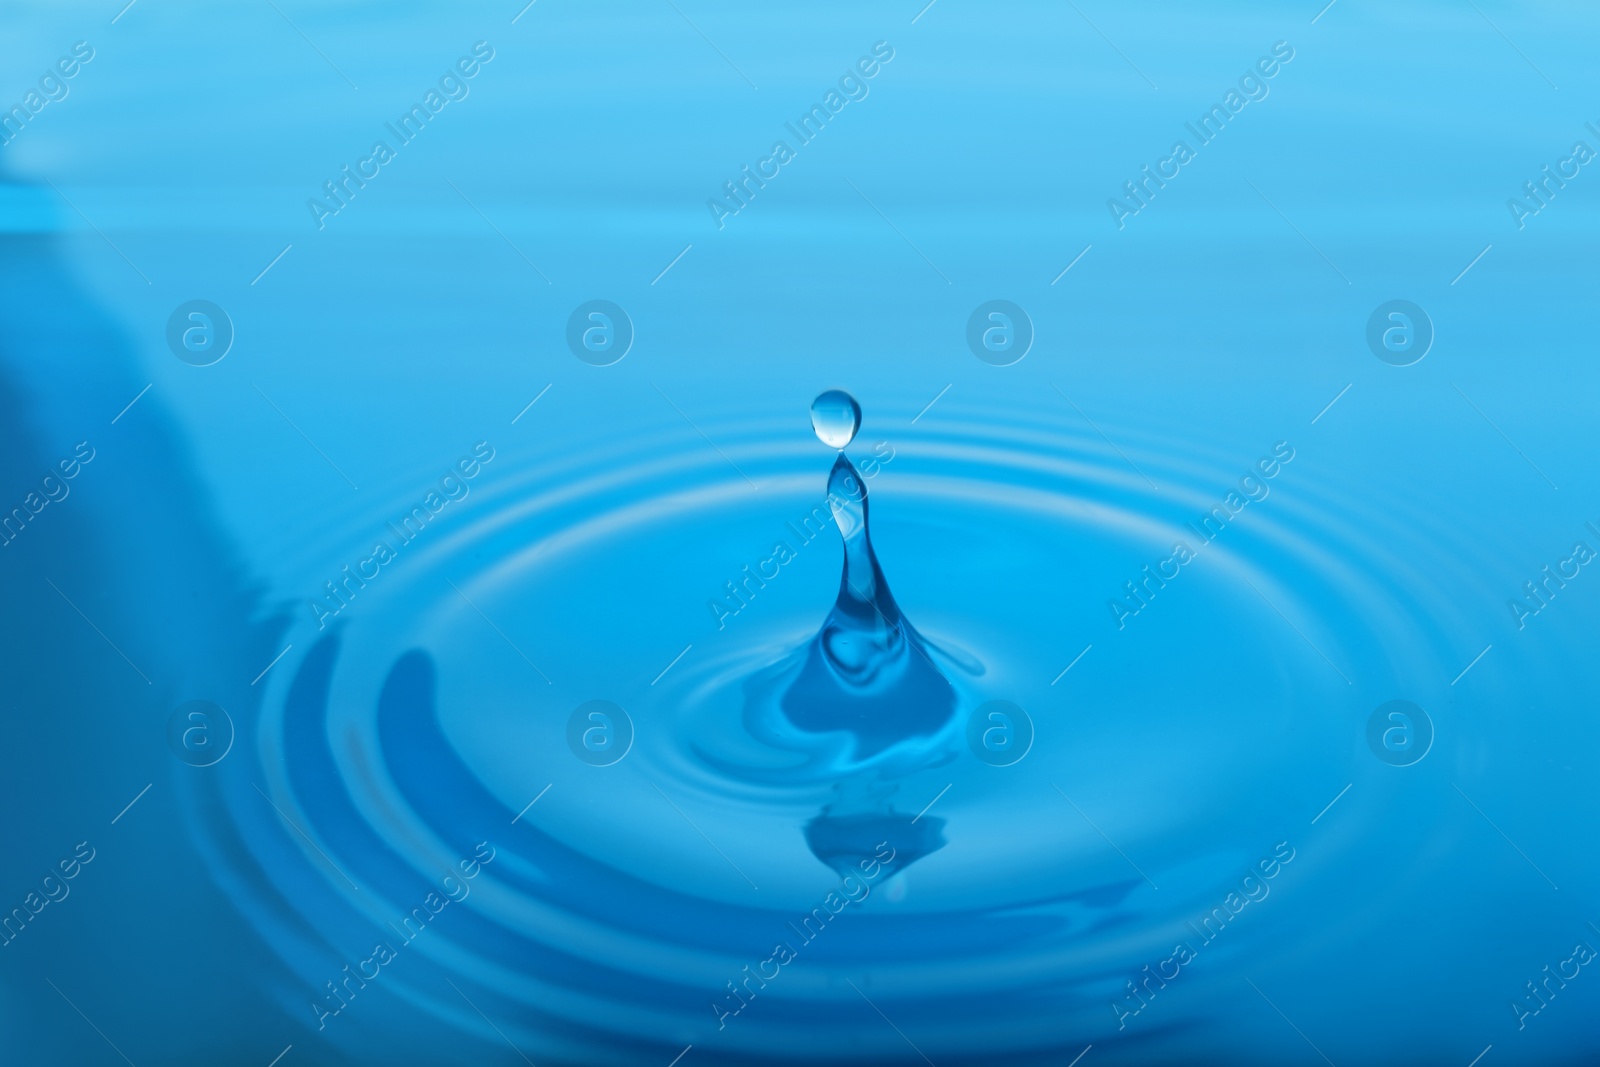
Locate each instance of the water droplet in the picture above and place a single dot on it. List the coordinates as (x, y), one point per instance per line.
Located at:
(836, 417)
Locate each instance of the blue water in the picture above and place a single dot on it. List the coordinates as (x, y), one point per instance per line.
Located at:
(437, 633)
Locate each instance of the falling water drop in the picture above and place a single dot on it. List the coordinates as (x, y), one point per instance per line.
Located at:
(867, 672)
(836, 417)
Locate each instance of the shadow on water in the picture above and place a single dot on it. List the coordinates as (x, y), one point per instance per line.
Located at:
(123, 600)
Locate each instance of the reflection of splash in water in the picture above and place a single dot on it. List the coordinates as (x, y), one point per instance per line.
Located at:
(862, 820)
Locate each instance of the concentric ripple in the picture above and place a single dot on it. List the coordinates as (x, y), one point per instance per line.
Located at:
(627, 906)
